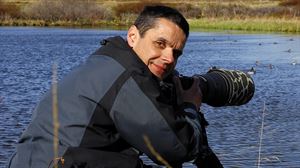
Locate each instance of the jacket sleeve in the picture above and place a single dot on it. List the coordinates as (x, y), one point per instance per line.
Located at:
(174, 134)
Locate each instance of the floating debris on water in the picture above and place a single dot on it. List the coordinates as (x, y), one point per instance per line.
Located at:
(294, 62)
(289, 50)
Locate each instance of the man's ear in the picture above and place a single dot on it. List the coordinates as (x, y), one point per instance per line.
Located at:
(132, 35)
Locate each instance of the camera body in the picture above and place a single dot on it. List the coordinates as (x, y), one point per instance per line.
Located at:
(222, 87)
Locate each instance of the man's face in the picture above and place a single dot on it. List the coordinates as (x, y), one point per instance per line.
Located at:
(160, 46)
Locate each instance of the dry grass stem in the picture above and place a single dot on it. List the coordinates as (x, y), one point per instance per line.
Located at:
(261, 135)
(55, 112)
(156, 154)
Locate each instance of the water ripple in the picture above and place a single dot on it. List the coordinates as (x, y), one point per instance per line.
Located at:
(27, 55)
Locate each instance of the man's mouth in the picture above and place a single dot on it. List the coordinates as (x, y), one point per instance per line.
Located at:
(161, 69)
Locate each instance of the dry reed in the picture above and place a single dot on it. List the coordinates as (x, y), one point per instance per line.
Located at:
(261, 135)
(155, 153)
(55, 113)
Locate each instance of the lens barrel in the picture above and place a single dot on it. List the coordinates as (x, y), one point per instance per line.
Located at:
(222, 87)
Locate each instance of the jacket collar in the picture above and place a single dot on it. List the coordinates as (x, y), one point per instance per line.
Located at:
(117, 48)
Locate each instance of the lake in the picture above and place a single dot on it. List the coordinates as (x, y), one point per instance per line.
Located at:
(27, 55)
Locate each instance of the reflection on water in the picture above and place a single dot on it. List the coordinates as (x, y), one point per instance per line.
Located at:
(27, 55)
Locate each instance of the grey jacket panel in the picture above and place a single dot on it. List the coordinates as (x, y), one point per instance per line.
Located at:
(78, 95)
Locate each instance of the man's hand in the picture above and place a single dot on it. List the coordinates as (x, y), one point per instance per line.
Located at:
(192, 95)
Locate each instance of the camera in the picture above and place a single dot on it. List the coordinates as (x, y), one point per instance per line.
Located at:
(223, 87)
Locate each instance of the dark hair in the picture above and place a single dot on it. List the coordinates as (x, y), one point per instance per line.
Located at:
(148, 17)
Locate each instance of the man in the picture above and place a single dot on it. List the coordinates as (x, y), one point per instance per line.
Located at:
(121, 103)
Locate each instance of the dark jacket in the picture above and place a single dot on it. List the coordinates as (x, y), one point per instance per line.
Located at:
(107, 108)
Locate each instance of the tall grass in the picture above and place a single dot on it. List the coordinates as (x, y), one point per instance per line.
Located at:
(71, 10)
(9, 10)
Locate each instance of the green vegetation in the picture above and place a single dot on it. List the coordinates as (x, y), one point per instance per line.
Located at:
(254, 15)
(268, 25)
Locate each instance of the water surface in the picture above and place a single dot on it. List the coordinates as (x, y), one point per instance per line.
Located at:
(27, 55)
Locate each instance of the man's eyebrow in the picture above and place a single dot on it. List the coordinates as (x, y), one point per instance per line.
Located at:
(179, 51)
(162, 39)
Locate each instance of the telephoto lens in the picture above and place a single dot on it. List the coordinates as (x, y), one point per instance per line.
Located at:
(222, 87)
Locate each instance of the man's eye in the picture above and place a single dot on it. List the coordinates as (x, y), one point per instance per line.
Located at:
(160, 44)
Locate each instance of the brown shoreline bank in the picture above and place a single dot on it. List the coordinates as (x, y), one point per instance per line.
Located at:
(247, 15)
(263, 25)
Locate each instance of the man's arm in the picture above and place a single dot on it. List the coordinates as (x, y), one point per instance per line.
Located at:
(173, 133)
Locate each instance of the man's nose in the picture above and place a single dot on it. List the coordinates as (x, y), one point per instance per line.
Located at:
(168, 56)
